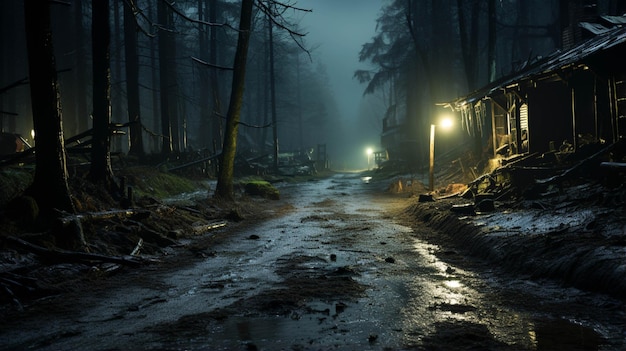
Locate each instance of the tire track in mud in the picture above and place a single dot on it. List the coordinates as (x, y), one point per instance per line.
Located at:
(336, 271)
(318, 252)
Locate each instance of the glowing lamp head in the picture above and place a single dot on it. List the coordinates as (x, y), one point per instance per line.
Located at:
(446, 122)
(369, 151)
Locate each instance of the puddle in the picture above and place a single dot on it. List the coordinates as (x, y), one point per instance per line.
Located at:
(335, 274)
(563, 335)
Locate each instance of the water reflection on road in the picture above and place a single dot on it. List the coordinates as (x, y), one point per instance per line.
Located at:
(336, 272)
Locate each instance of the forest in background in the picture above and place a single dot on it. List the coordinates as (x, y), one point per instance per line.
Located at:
(184, 56)
(428, 52)
(425, 52)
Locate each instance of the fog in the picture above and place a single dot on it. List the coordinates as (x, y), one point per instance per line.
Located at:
(335, 31)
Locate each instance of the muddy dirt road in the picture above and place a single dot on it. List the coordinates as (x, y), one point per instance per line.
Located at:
(337, 269)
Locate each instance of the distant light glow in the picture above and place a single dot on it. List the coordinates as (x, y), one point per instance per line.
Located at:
(446, 122)
(369, 151)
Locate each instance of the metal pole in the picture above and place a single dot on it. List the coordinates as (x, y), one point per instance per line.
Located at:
(431, 173)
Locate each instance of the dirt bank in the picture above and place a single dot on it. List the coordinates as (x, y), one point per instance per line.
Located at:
(579, 246)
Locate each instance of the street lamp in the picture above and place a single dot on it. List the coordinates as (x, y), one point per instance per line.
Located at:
(369, 153)
(444, 123)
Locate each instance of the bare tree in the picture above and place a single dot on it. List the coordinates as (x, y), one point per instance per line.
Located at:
(50, 188)
(101, 171)
(272, 74)
(80, 72)
(167, 78)
(216, 122)
(491, 48)
(224, 188)
(132, 79)
(468, 32)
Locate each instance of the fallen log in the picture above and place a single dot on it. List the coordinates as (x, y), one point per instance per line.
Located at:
(198, 229)
(91, 216)
(73, 256)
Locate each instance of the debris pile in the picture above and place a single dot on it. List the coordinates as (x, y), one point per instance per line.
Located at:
(559, 215)
(532, 179)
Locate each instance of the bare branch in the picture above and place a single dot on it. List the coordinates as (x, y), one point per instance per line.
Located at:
(274, 14)
(136, 13)
(193, 20)
(255, 126)
(13, 85)
(287, 6)
(204, 63)
(244, 123)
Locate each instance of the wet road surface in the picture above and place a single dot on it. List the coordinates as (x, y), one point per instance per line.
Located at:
(337, 271)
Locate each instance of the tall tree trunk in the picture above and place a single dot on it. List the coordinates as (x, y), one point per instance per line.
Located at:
(216, 119)
(299, 101)
(8, 67)
(273, 93)
(266, 93)
(203, 77)
(116, 101)
(82, 115)
(417, 112)
(469, 41)
(491, 50)
(224, 188)
(101, 171)
(50, 188)
(259, 96)
(469, 47)
(521, 45)
(167, 75)
(132, 80)
(166, 130)
(156, 113)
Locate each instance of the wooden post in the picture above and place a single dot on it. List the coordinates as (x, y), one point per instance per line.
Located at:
(431, 173)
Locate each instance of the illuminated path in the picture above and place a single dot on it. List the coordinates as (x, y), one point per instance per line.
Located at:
(336, 271)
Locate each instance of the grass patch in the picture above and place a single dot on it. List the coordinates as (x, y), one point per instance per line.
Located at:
(261, 188)
(150, 182)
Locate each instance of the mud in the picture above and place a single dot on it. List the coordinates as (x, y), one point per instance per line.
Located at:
(339, 264)
(579, 246)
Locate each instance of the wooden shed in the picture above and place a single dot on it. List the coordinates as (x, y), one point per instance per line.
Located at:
(564, 101)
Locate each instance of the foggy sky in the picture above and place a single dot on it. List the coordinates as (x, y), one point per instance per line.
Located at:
(337, 29)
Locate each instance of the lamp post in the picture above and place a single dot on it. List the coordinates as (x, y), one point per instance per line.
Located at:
(431, 163)
(369, 153)
(444, 123)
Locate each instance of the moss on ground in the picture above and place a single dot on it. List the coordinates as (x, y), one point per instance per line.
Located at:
(261, 188)
(154, 183)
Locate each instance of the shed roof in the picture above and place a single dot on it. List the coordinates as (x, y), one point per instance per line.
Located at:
(615, 20)
(595, 28)
(548, 66)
